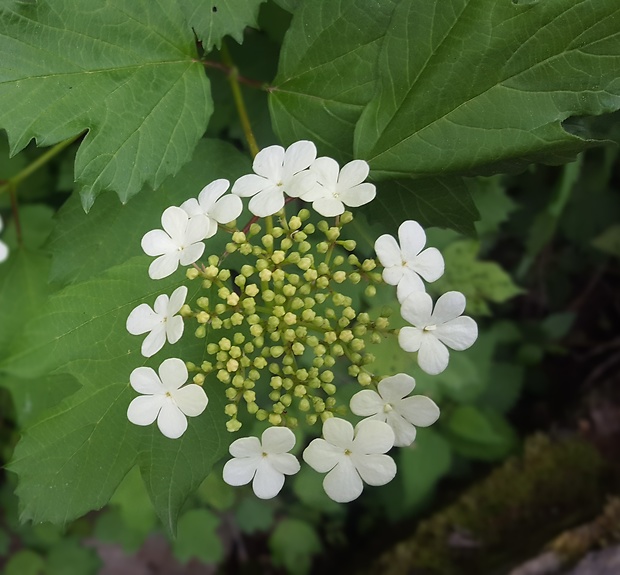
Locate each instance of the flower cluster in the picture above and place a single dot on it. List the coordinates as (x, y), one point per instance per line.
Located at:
(281, 313)
(4, 250)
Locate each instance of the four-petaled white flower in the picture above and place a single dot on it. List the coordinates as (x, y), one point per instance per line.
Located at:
(277, 172)
(405, 263)
(336, 188)
(160, 321)
(179, 243)
(164, 399)
(265, 462)
(391, 405)
(349, 456)
(433, 330)
(4, 250)
(212, 206)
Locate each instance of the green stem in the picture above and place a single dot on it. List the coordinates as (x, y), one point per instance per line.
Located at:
(38, 163)
(233, 79)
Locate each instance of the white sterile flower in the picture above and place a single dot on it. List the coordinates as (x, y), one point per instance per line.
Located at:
(432, 330)
(336, 188)
(179, 243)
(405, 263)
(4, 250)
(215, 208)
(265, 462)
(164, 399)
(161, 322)
(277, 172)
(349, 456)
(391, 405)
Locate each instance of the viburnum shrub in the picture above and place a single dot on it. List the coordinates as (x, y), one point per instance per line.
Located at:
(280, 288)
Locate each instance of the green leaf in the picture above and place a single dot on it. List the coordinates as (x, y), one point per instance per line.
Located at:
(327, 71)
(308, 487)
(25, 562)
(70, 558)
(213, 20)
(609, 241)
(198, 538)
(480, 86)
(438, 202)
(115, 230)
(253, 515)
(480, 281)
(72, 460)
(479, 434)
(126, 73)
(293, 543)
(215, 492)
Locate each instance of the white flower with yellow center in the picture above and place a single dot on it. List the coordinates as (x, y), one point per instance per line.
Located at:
(164, 399)
(351, 457)
(264, 462)
(391, 404)
(434, 331)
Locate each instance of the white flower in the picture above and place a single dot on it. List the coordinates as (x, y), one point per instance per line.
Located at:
(405, 263)
(4, 250)
(336, 188)
(388, 405)
(161, 322)
(348, 457)
(215, 208)
(432, 330)
(277, 172)
(179, 243)
(265, 462)
(164, 399)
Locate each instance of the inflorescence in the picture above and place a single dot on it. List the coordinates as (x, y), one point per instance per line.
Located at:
(282, 323)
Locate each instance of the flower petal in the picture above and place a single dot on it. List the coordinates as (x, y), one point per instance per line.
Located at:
(429, 264)
(298, 157)
(246, 447)
(191, 399)
(458, 334)
(174, 328)
(301, 185)
(352, 174)
(240, 471)
(322, 455)
(173, 373)
(277, 440)
(171, 421)
(448, 307)
(338, 432)
(250, 184)
(410, 338)
(210, 193)
(358, 195)
(375, 469)
(197, 229)
(372, 436)
(161, 305)
(177, 299)
(191, 254)
(326, 171)
(412, 239)
(417, 308)
(394, 275)
(433, 355)
(268, 163)
(388, 251)
(395, 387)
(267, 202)
(366, 402)
(164, 265)
(404, 432)
(409, 284)
(226, 209)
(144, 410)
(157, 242)
(141, 319)
(268, 481)
(284, 463)
(174, 220)
(419, 410)
(145, 380)
(343, 483)
(4, 252)
(328, 207)
(154, 341)
(191, 207)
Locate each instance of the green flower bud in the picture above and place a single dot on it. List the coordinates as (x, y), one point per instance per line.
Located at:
(261, 415)
(346, 335)
(304, 404)
(275, 418)
(206, 366)
(277, 351)
(289, 290)
(247, 249)
(353, 370)
(231, 393)
(267, 241)
(224, 275)
(264, 275)
(286, 400)
(203, 317)
(238, 380)
(333, 234)
(278, 407)
(329, 388)
(199, 379)
(260, 363)
(330, 360)
(249, 396)
(322, 247)
(337, 350)
(330, 402)
(278, 257)
(370, 291)
(268, 295)
(369, 265)
(286, 244)
(326, 415)
(236, 319)
(220, 308)
(206, 284)
(223, 376)
(294, 223)
(364, 379)
(233, 425)
(230, 409)
(247, 271)
(311, 419)
(191, 273)
(252, 408)
(297, 303)
(298, 348)
(201, 332)
(254, 229)
(299, 391)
